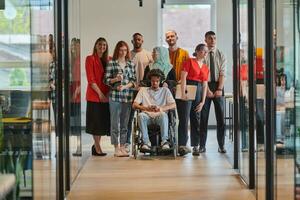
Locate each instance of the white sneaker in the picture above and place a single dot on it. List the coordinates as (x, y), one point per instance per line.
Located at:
(124, 152)
(146, 147)
(165, 145)
(127, 147)
(118, 152)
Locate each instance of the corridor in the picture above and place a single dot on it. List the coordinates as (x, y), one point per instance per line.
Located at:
(209, 176)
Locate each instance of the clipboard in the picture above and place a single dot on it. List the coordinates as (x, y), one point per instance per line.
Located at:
(191, 91)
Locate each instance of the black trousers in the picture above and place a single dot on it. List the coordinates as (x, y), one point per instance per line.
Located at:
(186, 113)
(219, 113)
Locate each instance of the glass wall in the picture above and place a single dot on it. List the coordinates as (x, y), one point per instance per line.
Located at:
(75, 137)
(43, 98)
(297, 99)
(27, 137)
(284, 85)
(16, 153)
(260, 24)
(243, 93)
(284, 56)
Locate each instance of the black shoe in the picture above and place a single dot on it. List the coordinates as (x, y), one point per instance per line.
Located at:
(202, 150)
(183, 150)
(221, 150)
(196, 151)
(94, 152)
(77, 154)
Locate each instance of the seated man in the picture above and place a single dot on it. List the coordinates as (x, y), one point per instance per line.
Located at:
(153, 102)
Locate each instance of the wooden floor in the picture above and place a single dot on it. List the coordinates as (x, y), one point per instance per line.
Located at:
(209, 177)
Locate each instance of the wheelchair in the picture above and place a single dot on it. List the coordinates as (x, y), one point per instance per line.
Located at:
(154, 131)
(155, 139)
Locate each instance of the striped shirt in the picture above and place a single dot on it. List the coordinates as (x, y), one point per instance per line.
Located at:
(112, 70)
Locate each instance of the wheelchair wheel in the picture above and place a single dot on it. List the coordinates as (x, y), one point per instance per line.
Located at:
(135, 151)
(175, 151)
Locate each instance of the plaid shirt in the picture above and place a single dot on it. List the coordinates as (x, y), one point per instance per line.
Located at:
(52, 78)
(112, 70)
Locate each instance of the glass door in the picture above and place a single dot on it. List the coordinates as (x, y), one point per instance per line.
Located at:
(260, 98)
(27, 122)
(43, 99)
(244, 92)
(76, 154)
(284, 56)
(297, 97)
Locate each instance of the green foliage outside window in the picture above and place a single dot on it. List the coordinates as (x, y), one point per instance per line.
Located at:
(17, 77)
(19, 25)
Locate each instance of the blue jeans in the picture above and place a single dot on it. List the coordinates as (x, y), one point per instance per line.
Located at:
(186, 113)
(119, 115)
(162, 120)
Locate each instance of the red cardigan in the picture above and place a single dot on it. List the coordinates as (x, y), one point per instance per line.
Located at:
(95, 74)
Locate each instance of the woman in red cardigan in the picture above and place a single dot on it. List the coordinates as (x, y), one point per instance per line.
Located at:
(97, 112)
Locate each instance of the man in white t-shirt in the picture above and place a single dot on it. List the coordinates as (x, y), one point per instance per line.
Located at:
(153, 102)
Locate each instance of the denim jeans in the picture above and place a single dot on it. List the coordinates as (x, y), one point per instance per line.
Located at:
(162, 120)
(119, 115)
(219, 112)
(186, 113)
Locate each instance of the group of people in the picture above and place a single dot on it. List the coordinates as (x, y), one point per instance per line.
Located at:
(115, 91)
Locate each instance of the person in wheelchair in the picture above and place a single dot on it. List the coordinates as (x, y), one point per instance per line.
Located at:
(154, 102)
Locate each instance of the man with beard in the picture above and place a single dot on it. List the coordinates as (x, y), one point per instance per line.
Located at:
(141, 59)
(177, 57)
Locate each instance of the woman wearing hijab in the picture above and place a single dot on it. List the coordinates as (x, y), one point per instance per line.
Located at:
(161, 60)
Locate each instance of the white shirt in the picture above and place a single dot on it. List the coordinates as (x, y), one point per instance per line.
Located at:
(141, 60)
(220, 63)
(147, 97)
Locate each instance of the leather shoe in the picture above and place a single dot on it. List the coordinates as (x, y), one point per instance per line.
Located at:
(94, 152)
(183, 150)
(202, 150)
(221, 150)
(196, 151)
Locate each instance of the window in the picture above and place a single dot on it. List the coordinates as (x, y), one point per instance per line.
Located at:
(190, 21)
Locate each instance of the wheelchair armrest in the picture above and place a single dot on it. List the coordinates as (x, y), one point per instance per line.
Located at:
(171, 83)
(172, 116)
